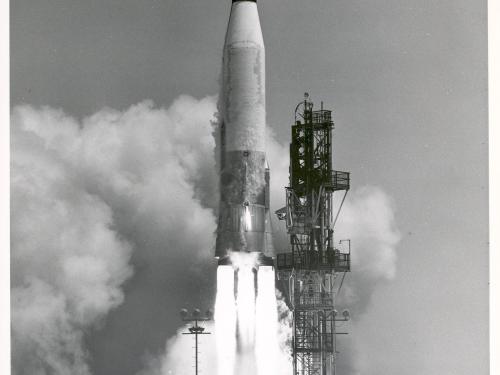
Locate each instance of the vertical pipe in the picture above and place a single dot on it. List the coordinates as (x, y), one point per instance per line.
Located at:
(322, 225)
(196, 347)
(294, 343)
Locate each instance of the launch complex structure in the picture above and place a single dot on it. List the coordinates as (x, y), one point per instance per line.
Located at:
(309, 273)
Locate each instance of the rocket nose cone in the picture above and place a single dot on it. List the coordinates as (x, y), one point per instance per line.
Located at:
(244, 25)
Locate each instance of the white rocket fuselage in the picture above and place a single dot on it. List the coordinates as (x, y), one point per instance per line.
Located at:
(244, 219)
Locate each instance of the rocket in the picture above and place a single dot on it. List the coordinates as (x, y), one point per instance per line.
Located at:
(244, 217)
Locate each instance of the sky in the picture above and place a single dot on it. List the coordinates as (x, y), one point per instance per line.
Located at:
(407, 82)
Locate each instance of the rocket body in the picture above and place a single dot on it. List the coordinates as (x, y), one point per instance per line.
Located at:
(244, 220)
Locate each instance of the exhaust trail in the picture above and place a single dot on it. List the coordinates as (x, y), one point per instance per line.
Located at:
(225, 321)
(246, 318)
(266, 340)
(245, 302)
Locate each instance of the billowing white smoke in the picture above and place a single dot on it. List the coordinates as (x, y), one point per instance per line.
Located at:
(68, 262)
(367, 218)
(84, 194)
(178, 358)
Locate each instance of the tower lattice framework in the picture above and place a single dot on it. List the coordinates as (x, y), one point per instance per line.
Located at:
(309, 273)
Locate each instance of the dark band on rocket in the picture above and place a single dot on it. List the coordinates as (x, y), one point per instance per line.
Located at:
(244, 204)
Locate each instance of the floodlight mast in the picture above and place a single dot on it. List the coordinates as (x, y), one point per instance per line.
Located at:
(196, 329)
(309, 272)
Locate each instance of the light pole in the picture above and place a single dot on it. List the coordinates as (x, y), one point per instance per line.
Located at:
(196, 329)
(345, 318)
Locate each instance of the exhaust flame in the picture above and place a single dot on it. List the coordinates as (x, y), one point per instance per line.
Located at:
(245, 307)
(246, 318)
(245, 304)
(248, 219)
(267, 346)
(225, 320)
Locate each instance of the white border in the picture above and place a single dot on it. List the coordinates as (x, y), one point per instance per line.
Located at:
(494, 176)
(4, 190)
(494, 184)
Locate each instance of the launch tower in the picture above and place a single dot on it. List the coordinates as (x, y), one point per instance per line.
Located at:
(309, 273)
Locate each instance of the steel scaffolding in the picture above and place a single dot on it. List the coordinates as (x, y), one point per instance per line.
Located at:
(309, 272)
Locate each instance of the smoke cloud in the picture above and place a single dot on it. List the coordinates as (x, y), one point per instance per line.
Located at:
(367, 218)
(68, 263)
(113, 222)
(178, 357)
(84, 194)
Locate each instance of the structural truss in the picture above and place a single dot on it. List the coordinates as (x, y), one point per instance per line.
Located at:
(309, 272)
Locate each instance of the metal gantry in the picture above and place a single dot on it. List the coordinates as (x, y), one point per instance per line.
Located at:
(308, 273)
